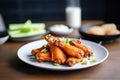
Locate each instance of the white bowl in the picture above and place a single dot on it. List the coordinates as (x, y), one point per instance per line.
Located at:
(60, 29)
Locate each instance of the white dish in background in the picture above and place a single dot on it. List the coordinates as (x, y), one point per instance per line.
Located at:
(60, 29)
(27, 38)
(25, 51)
(30, 38)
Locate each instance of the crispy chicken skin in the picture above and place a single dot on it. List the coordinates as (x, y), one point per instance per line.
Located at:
(57, 55)
(51, 39)
(72, 60)
(35, 51)
(43, 56)
(86, 49)
(70, 50)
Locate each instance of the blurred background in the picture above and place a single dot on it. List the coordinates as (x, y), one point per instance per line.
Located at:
(18, 11)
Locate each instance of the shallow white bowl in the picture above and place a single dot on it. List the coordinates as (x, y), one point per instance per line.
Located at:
(60, 31)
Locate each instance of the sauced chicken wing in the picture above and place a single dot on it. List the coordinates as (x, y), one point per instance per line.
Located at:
(51, 39)
(72, 60)
(57, 55)
(43, 56)
(86, 49)
(35, 51)
(70, 50)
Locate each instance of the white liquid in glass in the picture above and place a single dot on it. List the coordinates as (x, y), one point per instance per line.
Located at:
(73, 16)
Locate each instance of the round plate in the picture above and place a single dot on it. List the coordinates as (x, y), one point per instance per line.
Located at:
(25, 51)
(96, 38)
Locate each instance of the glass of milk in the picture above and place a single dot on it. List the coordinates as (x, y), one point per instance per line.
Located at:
(73, 13)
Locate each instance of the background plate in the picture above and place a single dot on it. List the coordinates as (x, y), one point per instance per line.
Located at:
(30, 38)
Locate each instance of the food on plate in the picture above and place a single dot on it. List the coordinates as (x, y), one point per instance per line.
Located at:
(105, 29)
(86, 50)
(70, 50)
(73, 60)
(62, 51)
(27, 29)
(42, 54)
(57, 55)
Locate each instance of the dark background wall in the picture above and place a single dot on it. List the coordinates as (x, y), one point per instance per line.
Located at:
(15, 11)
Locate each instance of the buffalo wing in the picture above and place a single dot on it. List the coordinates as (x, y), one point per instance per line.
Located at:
(57, 55)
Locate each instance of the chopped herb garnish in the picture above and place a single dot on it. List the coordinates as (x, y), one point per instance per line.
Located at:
(75, 40)
(67, 40)
(44, 46)
(63, 41)
(94, 60)
(49, 39)
(93, 54)
(44, 50)
(85, 61)
(33, 57)
(56, 64)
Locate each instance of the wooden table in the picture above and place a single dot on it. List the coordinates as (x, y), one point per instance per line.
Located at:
(12, 68)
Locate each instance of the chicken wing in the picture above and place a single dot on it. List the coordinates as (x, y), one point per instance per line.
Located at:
(86, 49)
(70, 50)
(42, 53)
(72, 60)
(35, 51)
(57, 55)
(43, 56)
(51, 39)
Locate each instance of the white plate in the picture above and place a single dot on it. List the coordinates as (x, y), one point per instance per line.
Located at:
(25, 51)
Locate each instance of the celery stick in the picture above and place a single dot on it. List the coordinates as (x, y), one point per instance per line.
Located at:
(27, 23)
(15, 26)
(38, 25)
(27, 29)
